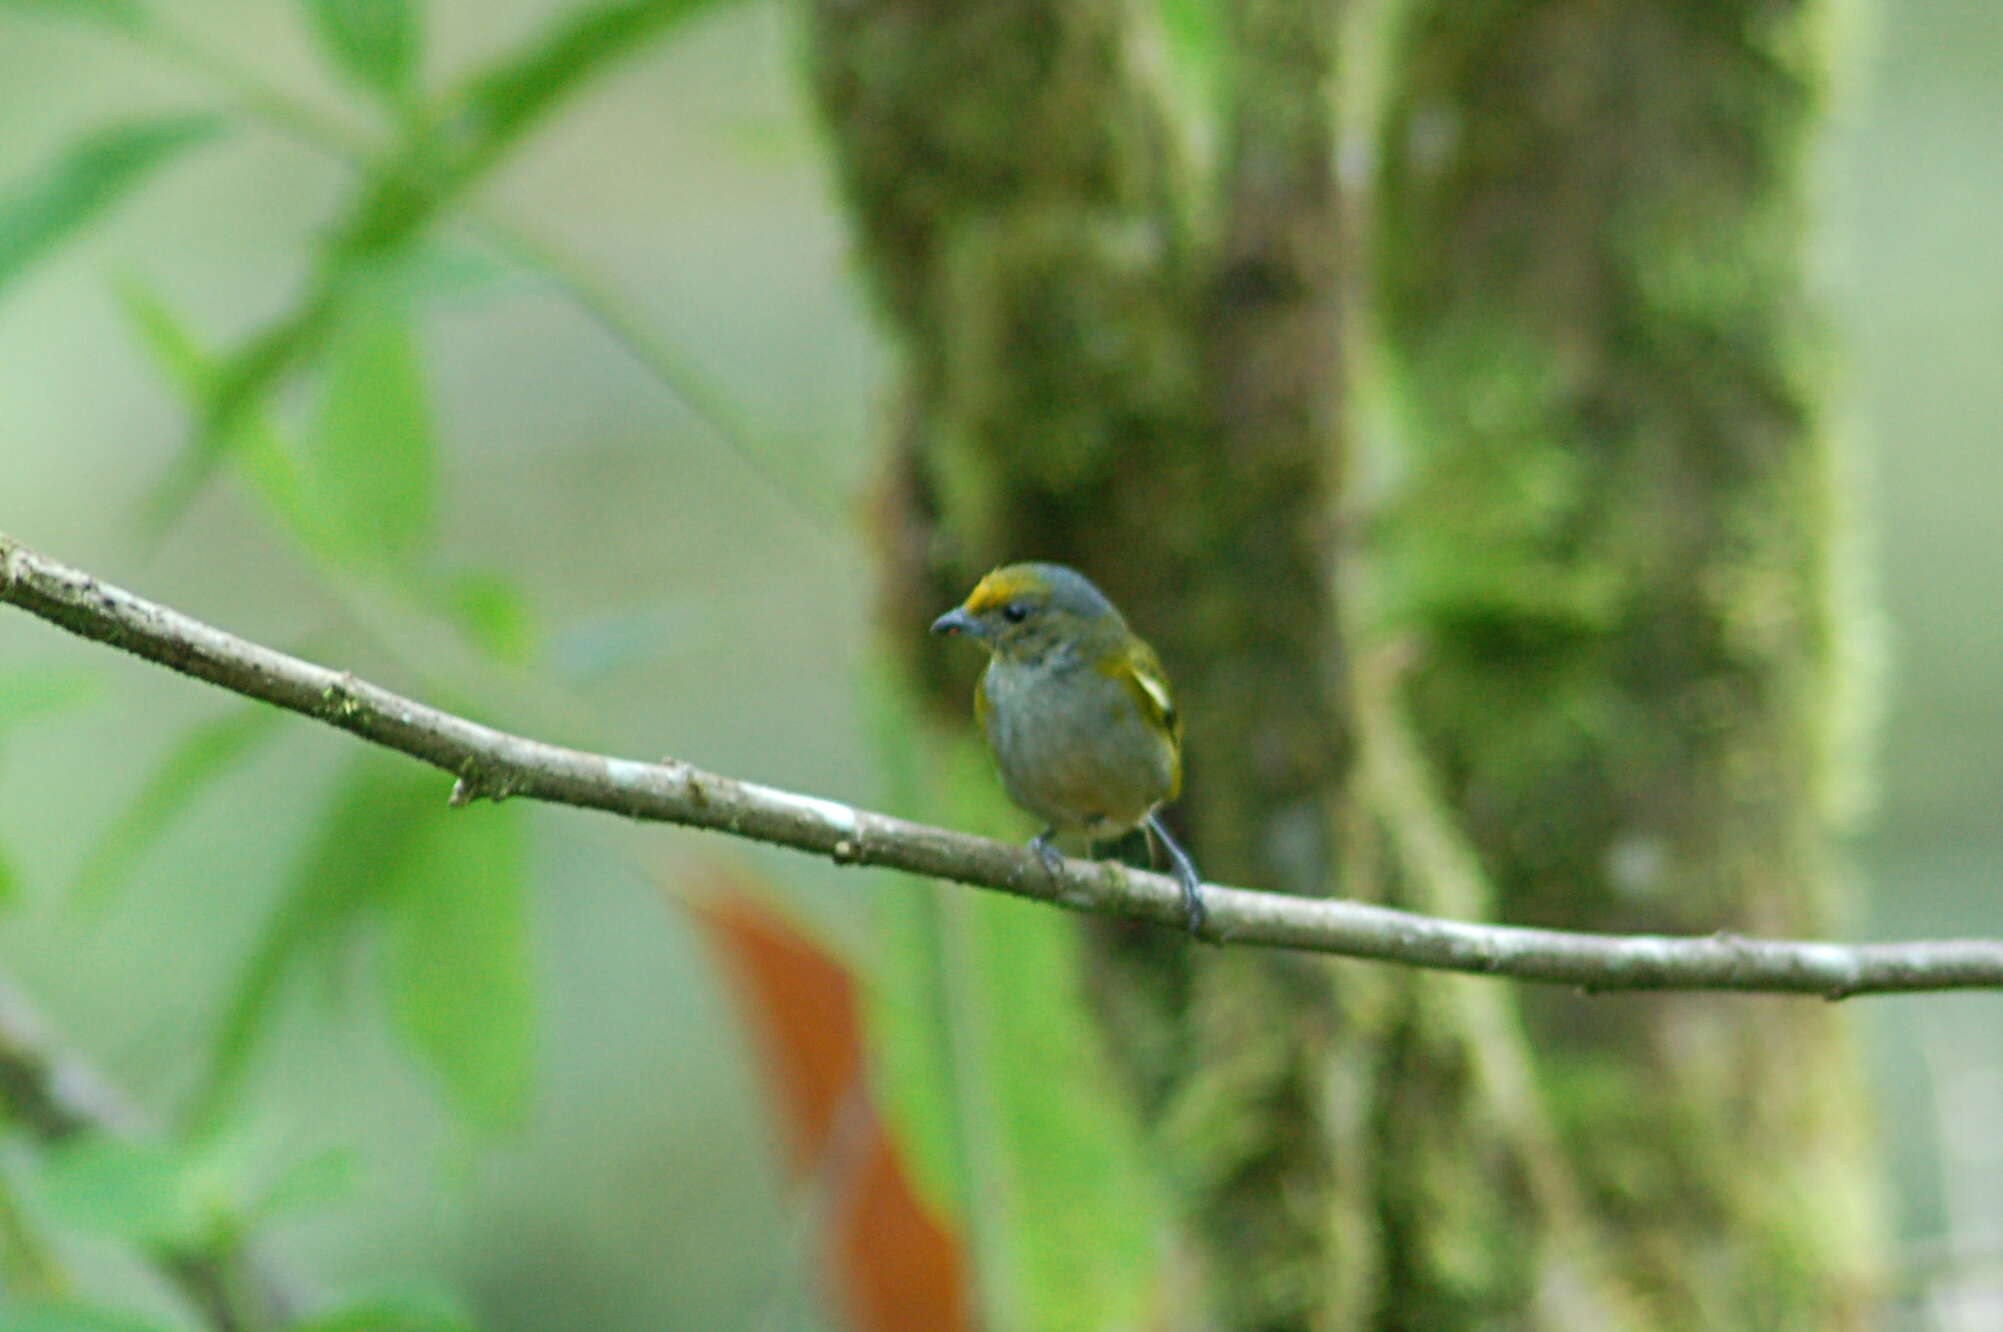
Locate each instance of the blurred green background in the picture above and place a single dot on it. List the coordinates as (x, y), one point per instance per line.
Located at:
(709, 597)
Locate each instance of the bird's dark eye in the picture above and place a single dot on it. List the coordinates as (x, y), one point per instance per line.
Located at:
(1016, 612)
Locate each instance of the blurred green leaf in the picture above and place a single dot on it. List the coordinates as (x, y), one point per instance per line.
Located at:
(364, 836)
(401, 199)
(10, 883)
(127, 14)
(141, 1192)
(177, 1200)
(308, 1185)
(911, 1054)
(493, 611)
(454, 271)
(1085, 1209)
(459, 966)
(504, 101)
(376, 41)
(1196, 45)
(489, 608)
(401, 1311)
(67, 1316)
(31, 693)
(450, 885)
(56, 202)
(373, 459)
(203, 755)
(979, 1024)
(234, 392)
(910, 1046)
(265, 462)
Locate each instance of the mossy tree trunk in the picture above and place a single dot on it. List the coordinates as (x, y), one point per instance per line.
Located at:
(1616, 561)
(1104, 367)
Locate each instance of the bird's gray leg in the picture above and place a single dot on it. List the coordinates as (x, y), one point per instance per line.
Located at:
(1193, 911)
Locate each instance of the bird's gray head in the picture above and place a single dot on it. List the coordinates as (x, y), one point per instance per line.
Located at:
(1022, 610)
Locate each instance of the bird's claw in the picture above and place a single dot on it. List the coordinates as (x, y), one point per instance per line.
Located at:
(1047, 852)
(1195, 915)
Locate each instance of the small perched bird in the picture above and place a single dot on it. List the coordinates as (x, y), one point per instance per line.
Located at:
(1076, 711)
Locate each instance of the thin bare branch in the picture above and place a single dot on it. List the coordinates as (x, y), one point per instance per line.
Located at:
(493, 764)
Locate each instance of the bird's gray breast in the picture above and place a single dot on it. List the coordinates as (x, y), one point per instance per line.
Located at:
(1072, 746)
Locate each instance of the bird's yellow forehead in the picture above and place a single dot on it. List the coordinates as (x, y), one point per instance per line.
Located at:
(999, 588)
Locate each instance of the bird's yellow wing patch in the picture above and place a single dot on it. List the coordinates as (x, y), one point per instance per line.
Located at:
(1137, 666)
(1142, 674)
(1139, 669)
(1152, 691)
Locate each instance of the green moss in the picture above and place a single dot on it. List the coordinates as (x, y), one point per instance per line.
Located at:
(1616, 551)
(1026, 218)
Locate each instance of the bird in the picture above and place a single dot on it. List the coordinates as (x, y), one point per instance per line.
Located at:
(1077, 713)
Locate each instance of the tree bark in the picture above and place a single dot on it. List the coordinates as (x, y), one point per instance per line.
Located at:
(1615, 561)
(1106, 368)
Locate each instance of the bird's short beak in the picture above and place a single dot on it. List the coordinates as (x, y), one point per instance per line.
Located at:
(957, 621)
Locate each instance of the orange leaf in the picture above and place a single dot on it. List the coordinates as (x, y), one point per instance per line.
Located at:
(898, 1267)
